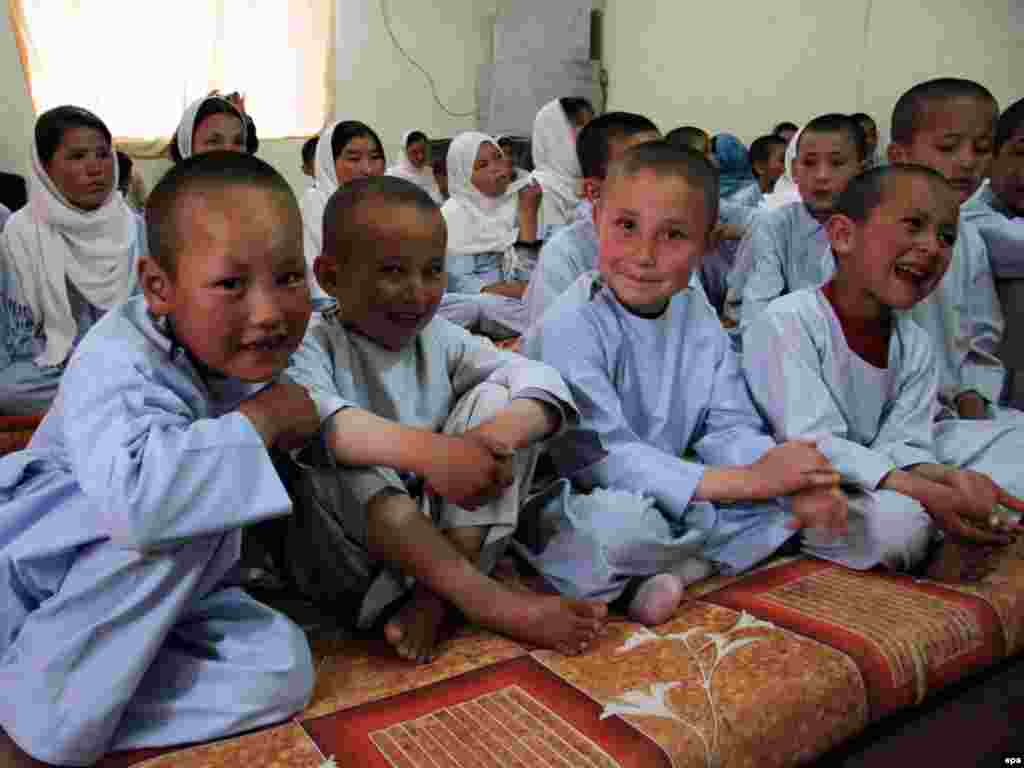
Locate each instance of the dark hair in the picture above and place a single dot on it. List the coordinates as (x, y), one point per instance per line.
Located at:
(910, 107)
(345, 131)
(575, 107)
(686, 136)
(213, 105)
(785, 126)
(864, 117)
(309, 149)
(668, 159)
(761, 149)
(593, 143)
(124, 168)
(866, 190)
(414, 136)
(379, 191)
(200, 174)
(1009, 122)
(54, 123)
(836, 122)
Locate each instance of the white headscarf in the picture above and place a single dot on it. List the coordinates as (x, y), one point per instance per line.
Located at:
(57, 242)
(314, 200)
(478, 223)
(187, 126)
(785, 190)
(421, 177)
(557, 165)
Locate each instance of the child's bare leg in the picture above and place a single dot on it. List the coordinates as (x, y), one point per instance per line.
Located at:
(399, 534)
(416, 629)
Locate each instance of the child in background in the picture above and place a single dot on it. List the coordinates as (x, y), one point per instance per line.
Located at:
(997, 208)
(786, 131)
(733, 163)
(65, 259)
(428, 443)
(121, 523)
(414, 164)
(346, 150)
(867, 124)
(209, 124)
(130, 183)
(492, 238)
(693, 137)
(948, 124)
(573, 250)
(556, 166)
(651, 521)
(787, 248)
(768, 163)
(309, 158)
(846, 364)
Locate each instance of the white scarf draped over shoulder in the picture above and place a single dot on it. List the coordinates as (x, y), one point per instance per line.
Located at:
(421, 177)
(187, 126)
(556, 163)
(55, 243)
(478, 223)
(785, 190)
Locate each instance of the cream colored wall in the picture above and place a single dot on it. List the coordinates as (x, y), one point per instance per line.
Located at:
(374, 83)
(742, 67)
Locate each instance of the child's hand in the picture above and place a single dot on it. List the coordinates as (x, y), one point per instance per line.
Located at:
(820, 508)
(530, 195)
(467, 470)
(792, 467)
(283, 414)
(971, 405)
(979, 499)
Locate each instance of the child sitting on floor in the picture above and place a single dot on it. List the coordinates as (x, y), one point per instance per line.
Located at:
(429, 439)
(787, 248)
(120, 524)
(572, 250)
(846, 364)
(948, 124)
(768, 163)
(655, 378)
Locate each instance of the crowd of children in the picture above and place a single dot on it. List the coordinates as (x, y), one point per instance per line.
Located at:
(719, 353)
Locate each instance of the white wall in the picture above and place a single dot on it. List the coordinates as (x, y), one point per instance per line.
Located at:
(16, 115)
(742, 67)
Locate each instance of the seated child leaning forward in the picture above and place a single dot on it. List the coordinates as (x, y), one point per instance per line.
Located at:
(120, 524)
(847, 364)
(655, 379)
(429, 439)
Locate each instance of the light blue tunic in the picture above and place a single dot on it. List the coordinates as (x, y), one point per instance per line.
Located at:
(786, 249)
(1002, 231)
(750, 196)
(649, 392)
(719, 261)
(570, 252)
(120, 526)
(26, 387)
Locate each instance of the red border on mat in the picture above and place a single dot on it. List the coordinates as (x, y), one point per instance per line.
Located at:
(345, 735)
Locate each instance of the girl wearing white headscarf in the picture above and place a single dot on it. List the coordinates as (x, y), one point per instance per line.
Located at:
(487, 217)
(346, 150)
(209, 124)
(414, 165)
(557, 167)
(65, 258)
(785, 190)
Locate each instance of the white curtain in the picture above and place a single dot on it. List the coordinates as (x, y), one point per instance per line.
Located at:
(138, 63)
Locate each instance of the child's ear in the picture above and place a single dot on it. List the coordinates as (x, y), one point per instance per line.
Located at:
(842, 232)
(157, 286)
(325, 267)
(896, 153)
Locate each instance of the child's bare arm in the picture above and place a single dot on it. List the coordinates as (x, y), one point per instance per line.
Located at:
(283, 414)
(529, 205)
(784, 470)
(522, 423)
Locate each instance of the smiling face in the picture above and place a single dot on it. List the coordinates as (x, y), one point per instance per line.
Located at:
(82, 168)
(238, 298)
(219, 131)
(389, 277)
(955, 137)
(825, 163)
(491, 174)
(653, 231)
(361, 158)
(1007, 173)
(900, 253)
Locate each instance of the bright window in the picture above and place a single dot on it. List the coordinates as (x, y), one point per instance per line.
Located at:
(138, 63)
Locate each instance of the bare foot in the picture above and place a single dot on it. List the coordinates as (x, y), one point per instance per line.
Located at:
(556, 623)
(656, 599)
(963, 562)
(415, 630)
